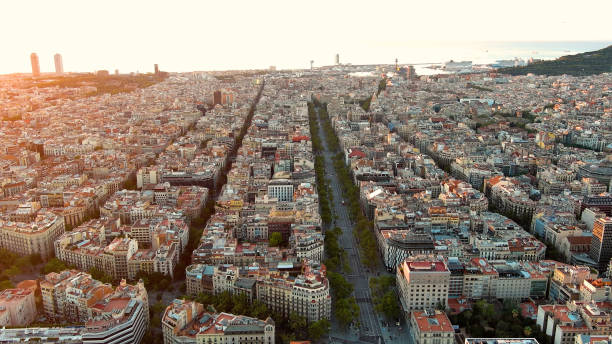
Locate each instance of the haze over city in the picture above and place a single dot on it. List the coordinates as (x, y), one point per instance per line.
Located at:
(208, 35)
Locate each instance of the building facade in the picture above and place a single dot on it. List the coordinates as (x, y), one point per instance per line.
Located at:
(187, 322)
(423, 283)
(601, 243)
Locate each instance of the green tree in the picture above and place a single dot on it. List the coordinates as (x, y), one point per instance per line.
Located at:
(6, 284)
(54, 265)
(346, 310)
(12, 271)
(297, 325)
(23, 263)
(318, 329)
(35, 259)
(100, 275)
(276, 239)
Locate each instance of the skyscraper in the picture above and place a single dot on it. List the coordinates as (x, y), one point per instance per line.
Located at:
(601, 242)
(156, 69)
(59, 66)
(35, 64)
(337, 59)
(216, 97)
(410, 73)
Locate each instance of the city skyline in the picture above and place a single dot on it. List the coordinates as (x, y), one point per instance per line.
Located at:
(181, 37)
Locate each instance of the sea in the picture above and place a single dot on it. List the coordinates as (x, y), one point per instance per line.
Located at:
(422, 54)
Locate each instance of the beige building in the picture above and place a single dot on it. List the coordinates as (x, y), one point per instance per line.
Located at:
(306, 295)
(34, 236)
(72, 295)
(431, 327)
(17, 307)
(187, 322)
(68, 295)
(423, 283)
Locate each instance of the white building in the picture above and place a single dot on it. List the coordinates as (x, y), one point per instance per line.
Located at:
(282, 189)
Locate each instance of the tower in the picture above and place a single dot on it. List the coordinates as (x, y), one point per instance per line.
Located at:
(411, 73)
(337, 59)
(59, 65)
(396, 67)
(311, 63)
(35, 64)
(601, 243)
(216, 97)
(156, 67)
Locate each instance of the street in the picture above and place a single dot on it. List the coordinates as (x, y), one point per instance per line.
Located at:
(370, 329)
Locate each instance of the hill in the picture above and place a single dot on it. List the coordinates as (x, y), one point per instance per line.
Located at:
(589, 63)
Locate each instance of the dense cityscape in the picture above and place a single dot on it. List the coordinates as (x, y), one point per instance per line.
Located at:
(336, 204)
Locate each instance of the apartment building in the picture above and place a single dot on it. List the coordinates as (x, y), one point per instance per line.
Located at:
(86, 247)
(501, 341)
(198, 279)
(67, 295)
(187, 322)
(119, 315)
(117, 320)
(282, 189)
(17, 307)
(561, 323)
(33, 236)
(308, 244)
(423, 283)
(305, 293)
(431, 327)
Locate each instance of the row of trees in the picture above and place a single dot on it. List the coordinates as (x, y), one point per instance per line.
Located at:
(336, 257)
(330, 136)
(383, 296)
(344, 304)
(314, 129)
(325, 194)
(363, 229)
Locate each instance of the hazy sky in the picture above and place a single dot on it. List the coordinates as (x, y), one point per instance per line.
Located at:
(202, 35)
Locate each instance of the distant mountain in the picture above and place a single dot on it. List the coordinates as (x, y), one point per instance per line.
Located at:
(589, 63)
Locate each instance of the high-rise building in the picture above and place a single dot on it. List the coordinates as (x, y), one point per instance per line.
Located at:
(337, 59)
(601, 242)
(156, 69)
(59, 65)
(217, 97)
(410, 73)
(35, 64)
